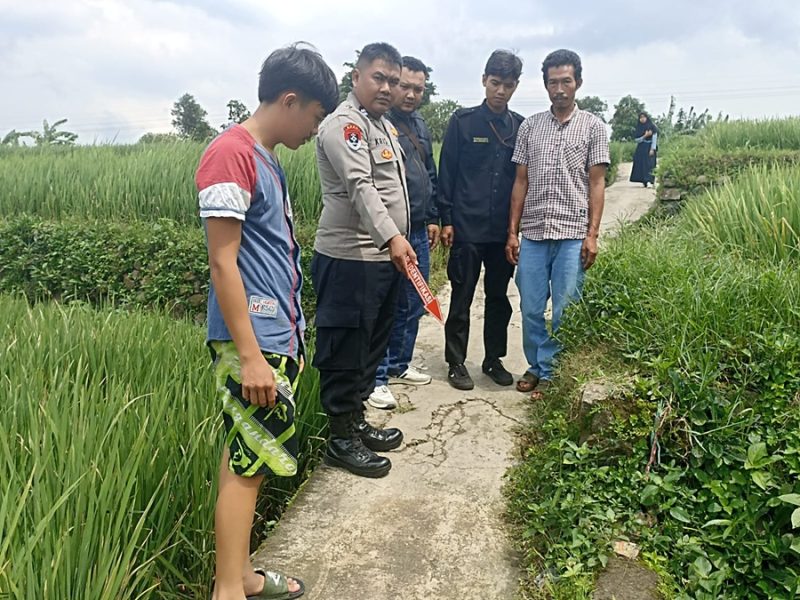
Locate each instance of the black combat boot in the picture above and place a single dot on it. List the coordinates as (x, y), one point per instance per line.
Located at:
(377, 440)
(347, 451)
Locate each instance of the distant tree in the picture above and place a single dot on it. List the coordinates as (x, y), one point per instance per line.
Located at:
(189, 119)
(684, 122)
(626, 115)
(594, 105)
(51, 136)
(430, 90)
(158, 138)
(346, 84)
(237, 113)
(437, 114)
(12, 138)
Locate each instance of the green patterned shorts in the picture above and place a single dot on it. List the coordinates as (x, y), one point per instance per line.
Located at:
(261, 440)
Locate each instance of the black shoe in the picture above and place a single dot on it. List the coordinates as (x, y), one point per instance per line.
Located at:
(458, 377)
(378, 440)
(347, 451)
(497, 372)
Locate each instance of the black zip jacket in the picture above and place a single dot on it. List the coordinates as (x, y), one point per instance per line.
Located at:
(476, 173)
(421, 177)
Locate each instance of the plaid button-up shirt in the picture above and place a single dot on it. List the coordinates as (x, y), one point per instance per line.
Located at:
(558, 157)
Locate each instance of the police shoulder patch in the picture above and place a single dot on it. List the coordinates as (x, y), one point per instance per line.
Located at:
(353, 136)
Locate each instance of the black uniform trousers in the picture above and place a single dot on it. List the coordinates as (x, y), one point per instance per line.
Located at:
(463, 270)
(355, 312)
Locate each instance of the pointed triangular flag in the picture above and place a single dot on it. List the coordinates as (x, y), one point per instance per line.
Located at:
(429, 301)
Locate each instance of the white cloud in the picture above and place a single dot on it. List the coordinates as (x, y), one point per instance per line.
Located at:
(114, 67)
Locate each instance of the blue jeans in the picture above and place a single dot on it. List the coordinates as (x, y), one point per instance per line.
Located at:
(548, 267)
(407, 314)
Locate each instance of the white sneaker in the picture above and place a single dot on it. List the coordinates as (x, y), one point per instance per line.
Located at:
(412, 377)
(381, 397)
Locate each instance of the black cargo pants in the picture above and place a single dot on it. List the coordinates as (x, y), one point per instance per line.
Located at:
(355, 312)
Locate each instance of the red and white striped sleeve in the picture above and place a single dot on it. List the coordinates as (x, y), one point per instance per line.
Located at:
(226, 177)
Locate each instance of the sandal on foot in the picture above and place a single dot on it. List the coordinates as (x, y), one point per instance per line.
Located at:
(276, 587)
(527, 383)
(540, 391)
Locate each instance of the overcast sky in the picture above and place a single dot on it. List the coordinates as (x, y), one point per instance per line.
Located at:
(115, 67)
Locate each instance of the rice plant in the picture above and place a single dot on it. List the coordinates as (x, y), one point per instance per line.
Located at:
(139, 182)
(776, 134)
(110, 446)
(758, 214)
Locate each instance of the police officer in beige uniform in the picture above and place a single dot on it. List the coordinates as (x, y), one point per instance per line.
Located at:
(359, 259)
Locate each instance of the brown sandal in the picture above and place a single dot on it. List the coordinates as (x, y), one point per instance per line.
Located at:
(527, 383)
(540, 391)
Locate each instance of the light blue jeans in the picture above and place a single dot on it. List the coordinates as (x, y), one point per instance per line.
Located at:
(546, 268)
(408, 312)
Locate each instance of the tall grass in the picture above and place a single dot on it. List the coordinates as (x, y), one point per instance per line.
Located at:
(110, 446)
(775, 134)
(708, 341)
(695, 455)
(139, 182)
(758, 214)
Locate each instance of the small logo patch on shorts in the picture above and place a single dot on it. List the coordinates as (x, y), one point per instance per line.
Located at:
(263, 307)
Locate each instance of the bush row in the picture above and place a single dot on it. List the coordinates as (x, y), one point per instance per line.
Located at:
(691, 166)
(161, 265)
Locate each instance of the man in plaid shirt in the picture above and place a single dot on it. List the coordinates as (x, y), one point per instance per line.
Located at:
(556, 204)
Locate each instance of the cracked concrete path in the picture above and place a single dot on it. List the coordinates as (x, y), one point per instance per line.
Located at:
(433, 528)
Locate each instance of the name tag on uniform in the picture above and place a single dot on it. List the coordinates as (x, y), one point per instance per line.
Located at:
(480, 140)
(263, 307)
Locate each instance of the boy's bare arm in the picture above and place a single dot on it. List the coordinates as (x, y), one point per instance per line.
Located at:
(224, 237)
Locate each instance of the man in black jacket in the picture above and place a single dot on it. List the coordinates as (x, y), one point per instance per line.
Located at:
(415, 139)
(475, 180)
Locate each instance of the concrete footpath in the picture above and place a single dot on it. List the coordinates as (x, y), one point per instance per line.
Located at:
(433, 528)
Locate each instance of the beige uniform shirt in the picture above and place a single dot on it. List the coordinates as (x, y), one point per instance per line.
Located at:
(364, 196)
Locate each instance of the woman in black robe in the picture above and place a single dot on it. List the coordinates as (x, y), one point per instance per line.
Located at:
(644, 159)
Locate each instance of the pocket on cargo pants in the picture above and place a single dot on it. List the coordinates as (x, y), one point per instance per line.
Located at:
(340, 339)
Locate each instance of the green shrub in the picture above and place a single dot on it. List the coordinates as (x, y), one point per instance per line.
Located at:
(724, 149)
(693, 166)
(160, 265)
(110, 443)
(712, 339)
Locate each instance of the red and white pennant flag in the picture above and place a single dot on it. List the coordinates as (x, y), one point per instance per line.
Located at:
(428, 299)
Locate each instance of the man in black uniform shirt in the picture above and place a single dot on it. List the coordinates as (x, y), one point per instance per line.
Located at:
(475, 180)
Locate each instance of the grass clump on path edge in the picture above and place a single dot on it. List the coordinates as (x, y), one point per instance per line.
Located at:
(704, 346)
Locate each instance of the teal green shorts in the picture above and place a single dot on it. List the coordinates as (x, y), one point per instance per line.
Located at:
(261, 440)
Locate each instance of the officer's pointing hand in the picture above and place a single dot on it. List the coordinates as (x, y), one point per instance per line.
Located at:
(400, 251)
